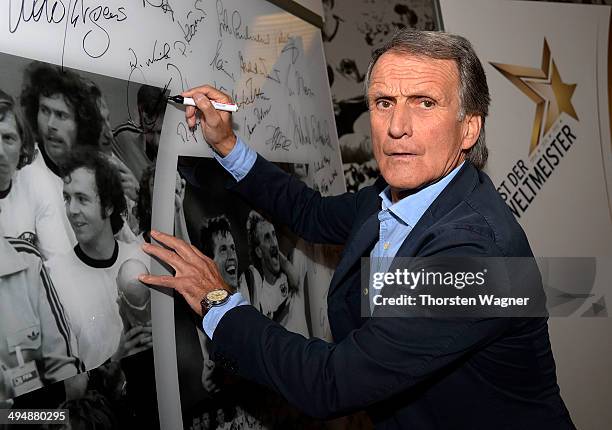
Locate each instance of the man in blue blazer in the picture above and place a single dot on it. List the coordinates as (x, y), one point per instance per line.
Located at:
(428, 98)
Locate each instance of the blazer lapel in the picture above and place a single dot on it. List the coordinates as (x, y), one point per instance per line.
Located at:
(411, 244)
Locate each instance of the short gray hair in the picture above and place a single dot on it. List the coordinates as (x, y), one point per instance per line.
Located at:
(473, 89)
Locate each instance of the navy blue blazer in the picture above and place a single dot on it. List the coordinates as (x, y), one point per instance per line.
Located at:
(412, 373)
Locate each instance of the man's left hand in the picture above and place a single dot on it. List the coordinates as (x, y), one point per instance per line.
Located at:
(195, 274)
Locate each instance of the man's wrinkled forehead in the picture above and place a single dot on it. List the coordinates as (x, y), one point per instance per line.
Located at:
(48, 100)
(395, 70)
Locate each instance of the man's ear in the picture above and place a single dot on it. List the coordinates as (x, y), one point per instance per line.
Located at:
(471, 130)
(109, 211)
(258, 252)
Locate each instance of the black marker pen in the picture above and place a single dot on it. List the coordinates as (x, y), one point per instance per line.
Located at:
(188, 101)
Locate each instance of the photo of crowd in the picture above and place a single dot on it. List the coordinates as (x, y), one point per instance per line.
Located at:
(268, 266)
(76, 173)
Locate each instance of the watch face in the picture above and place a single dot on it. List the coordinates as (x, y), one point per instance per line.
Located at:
(217, 295)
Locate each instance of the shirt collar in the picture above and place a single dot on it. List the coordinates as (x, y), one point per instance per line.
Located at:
(95, 263)
(411, 208)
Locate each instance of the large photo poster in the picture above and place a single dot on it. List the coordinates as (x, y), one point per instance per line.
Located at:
(130, 56)
(74, 207)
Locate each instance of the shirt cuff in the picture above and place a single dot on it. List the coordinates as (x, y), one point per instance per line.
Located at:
(214, 315)
(239, 161)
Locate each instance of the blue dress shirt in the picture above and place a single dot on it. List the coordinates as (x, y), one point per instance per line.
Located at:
(396, 222)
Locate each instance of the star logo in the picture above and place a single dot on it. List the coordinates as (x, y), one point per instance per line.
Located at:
(545, 88)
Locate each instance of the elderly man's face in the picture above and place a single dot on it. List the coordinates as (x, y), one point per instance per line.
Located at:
(225, 257)
(417, 137)
(10, 149)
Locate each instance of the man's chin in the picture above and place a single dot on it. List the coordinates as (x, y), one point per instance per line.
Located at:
(399, 182)
(57, 154)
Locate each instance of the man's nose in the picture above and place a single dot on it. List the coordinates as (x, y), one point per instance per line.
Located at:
(73, 207)
(400, 124)
(52, 121)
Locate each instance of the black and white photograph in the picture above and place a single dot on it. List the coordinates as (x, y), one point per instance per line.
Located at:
(268, 266)
(77, 152)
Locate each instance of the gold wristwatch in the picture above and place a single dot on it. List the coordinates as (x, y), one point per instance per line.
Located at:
(214, 298)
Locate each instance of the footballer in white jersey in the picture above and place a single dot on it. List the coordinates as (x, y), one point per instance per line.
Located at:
(88, 290)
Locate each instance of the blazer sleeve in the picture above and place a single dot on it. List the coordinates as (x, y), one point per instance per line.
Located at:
(386, 356)
(311, 216)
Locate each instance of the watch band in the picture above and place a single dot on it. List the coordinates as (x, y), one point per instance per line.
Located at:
(214, 298)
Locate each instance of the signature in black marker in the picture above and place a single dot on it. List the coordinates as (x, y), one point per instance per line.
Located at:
(194, 18)
(234, 28)
(164, 5)
(219, 63)
(278, 139)
(96, 41)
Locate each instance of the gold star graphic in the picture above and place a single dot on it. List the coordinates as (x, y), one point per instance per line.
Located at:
(545, 88)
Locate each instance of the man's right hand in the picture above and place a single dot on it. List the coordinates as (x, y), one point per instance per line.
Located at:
(216, 125)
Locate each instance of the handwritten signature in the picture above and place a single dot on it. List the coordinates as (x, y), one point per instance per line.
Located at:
(219, 63)
(96, 41)
(164, 5)
(258, 67)
(234, 27)
(309, 131)
(194, 18)
(302, 88)
(291, 48)
(260, 114)
(278, 140)
(250, 94)
(185, 133)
